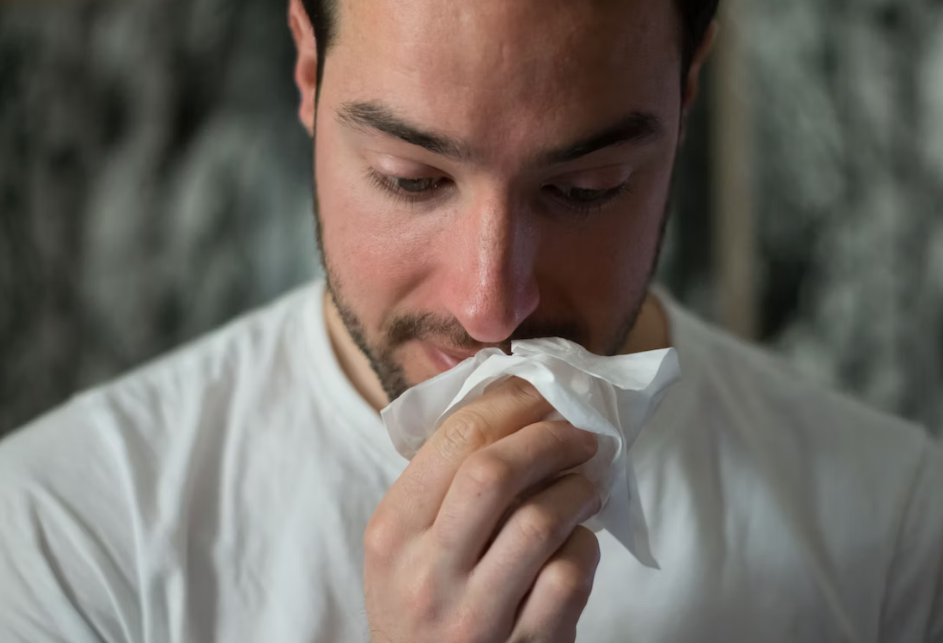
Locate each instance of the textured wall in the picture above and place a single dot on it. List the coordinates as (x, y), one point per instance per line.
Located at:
(154, 182)
(849, 153)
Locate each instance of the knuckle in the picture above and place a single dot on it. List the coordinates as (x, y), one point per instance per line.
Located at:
(568, 438)
(381, 539)
(462, 433)
(524, 394)
(569, 580)
(538, 525)
(487, 472)
(470, 626)
(422, 597)
(524, 390)
(559, 433)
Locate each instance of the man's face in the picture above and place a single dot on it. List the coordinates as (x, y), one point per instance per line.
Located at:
(494, 170)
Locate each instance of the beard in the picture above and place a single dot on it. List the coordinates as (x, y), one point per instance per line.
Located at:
(400, 329)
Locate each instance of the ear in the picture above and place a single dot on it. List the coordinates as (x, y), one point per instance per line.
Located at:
(306, 66)
(693, 84)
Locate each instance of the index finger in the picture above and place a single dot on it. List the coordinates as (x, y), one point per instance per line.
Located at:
(501, 411)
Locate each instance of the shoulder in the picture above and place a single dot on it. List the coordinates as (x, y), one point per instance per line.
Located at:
(135, 418)
(264, 342)
(67, 552)
(833, 459)
(816, 437)
(89, 488)
(858, 488)
(92, 454)
(769, 401)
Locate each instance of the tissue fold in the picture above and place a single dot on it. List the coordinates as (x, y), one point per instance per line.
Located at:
(612, 397)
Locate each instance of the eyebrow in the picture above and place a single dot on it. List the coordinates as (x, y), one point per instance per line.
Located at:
(638, 128)
(378, 117)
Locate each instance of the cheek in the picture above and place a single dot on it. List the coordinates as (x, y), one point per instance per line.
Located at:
(609, 259)
(371, 251)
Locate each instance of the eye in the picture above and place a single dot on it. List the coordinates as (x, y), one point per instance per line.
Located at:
(414, 186)
(585, 200)
(407, 189)
(581, 195)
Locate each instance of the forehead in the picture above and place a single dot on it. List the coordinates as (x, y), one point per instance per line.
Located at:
(500, 70)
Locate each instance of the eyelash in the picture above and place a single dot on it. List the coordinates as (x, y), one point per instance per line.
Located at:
(582, 208)
(603, 198)
(388, 185)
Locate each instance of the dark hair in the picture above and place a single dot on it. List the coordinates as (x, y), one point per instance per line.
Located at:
(696, 17)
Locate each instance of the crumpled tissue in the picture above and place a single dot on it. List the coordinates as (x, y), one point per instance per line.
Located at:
(612, 397)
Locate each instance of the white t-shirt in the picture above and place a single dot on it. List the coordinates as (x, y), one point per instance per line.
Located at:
(221, 494)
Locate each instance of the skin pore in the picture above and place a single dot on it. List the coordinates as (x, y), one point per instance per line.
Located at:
(491, 171)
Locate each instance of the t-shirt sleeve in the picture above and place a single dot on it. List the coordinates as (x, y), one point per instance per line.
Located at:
(913, 607)
(66, 554)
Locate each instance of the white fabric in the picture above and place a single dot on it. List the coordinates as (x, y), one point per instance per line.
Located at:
(609, 396)
(221, 495)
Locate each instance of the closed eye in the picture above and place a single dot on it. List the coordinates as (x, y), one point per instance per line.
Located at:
(578, 199)
(586, 200)
(408, 189)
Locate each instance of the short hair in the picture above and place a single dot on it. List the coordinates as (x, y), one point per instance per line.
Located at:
(696, 18)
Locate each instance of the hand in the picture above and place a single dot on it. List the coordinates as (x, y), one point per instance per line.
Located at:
(479, 540)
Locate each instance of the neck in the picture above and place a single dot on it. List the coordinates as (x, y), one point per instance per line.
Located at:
(650, 332)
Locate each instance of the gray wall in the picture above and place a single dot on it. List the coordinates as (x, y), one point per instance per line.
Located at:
(154, 183)
(153, 180)
(850, 185)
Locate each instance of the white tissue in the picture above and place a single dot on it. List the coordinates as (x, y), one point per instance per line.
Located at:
(610, 396)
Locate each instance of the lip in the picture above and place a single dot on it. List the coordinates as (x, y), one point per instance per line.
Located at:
(444, 359)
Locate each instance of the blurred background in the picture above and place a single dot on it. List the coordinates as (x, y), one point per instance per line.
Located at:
(154, 183)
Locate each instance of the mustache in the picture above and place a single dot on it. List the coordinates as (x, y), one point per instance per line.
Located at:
(451, 333)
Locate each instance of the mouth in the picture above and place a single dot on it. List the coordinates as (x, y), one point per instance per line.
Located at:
(445, 359)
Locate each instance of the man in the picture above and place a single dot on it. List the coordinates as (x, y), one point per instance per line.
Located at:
(486, 171)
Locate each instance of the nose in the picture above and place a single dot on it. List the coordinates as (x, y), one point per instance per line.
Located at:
(491, 286)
